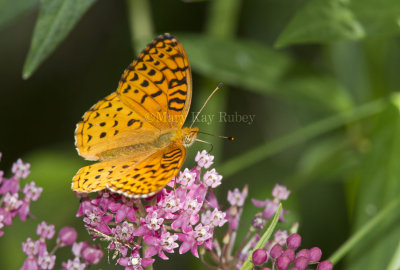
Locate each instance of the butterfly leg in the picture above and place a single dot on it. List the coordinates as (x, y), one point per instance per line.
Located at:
(212, 146)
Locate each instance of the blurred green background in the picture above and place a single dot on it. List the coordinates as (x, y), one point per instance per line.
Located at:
(321, 77)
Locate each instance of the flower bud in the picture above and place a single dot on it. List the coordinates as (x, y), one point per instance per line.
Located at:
(315, 254)
(325, 265)
(258, 221)
(303, 253)
(294, 241)
(301, 263)
(276, 251)
(259, 256)
(92, 254)
(290, 254)
(283, 262)
(67, 236)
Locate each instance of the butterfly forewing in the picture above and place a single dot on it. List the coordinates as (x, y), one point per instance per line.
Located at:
(110, 124)
(158, 85)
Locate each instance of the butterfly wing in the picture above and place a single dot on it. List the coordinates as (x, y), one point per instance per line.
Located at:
(110, 124)
(151, 174)
(158, 84)
(95, 177)
(132, 177)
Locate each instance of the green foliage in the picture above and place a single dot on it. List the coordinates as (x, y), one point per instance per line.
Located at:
(379, 185)
(56, 19)
(321, 76)
(332, 20)
(224, 60)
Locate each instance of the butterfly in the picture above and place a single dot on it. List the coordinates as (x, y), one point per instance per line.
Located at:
(136, 132)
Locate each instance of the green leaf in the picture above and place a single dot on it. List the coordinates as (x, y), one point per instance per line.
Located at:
(11, 9)
(326, 159)
(236, 62)
(378, 16)
(248, 265)
(56, 19)
(322, 21)
(380, 184)
(331, 20)
(319, 92)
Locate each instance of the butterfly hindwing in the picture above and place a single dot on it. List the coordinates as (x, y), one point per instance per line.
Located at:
(151, 174)
(95, 177)
(158, 84)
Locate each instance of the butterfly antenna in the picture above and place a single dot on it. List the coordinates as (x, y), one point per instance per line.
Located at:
(218, 136)
(205, 103)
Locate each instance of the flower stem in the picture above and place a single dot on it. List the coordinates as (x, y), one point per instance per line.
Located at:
(209, 266)
(140, 23)
(366, 229)
(145, 246)
(315, 129)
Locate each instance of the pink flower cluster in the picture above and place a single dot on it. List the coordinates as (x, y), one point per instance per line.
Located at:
(11, 203)
(184, 218)
(39, 258)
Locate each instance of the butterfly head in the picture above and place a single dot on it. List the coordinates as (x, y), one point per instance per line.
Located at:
(189, 135)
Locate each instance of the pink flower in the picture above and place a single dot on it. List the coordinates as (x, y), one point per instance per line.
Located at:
(236, 197)
(10, 185)
(166, 242)
(67, 236)
(32, 192)
(212, 178)
(186, 178)
(30, 248)
(77, 248)
(11, 202)
(192, 239)
(45, 230)
(74, 264)
(202, 232)
(204, 159)
(123, 210)
(134, 262)
(153, 222)
(280, 192)
(23, 211)
(280, 237)
(46, 261)
(20, 169)
(92, 254)
(95, 219)
(215, 218)
(125, 232)
(169, 203)
(30, 264)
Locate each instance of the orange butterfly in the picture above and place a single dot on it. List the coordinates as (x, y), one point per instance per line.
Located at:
(136, 132)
